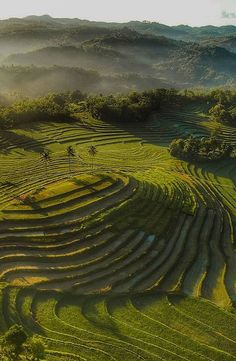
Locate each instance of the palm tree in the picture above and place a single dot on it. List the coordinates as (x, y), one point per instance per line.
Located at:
(70, 154)
(46, 158)
(92, 152)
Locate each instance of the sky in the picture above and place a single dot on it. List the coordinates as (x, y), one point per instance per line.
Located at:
(170, 12)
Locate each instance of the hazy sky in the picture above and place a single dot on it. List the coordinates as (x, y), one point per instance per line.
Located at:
(172, 12)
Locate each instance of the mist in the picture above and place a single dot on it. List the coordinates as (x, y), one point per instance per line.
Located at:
(41, 54)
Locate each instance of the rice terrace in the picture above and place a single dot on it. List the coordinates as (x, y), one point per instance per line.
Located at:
(117, 191)
(128, 249)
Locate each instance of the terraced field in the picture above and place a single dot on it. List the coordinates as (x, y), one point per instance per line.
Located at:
(129, 254)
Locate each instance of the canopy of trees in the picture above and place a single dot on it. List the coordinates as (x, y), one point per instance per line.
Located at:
(133, 107)
(54, 107)
(199, 149)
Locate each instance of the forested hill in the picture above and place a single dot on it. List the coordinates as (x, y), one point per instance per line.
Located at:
(118, 57)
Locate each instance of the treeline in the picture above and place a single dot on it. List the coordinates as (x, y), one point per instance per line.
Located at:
(132, 107)
(200, 149)
(63, 107)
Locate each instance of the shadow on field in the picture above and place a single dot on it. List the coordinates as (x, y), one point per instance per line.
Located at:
(9, 139)
(162, 127)
(92, 310)
(29, 201)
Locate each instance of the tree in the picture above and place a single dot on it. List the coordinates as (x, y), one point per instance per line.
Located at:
(70, 154)
(46, 158)
(92, 152)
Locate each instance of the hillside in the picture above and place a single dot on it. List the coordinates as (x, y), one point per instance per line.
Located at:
(117, 191)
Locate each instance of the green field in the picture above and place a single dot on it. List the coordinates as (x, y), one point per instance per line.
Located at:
(131, 254)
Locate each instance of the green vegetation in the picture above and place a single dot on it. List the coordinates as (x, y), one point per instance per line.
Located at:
(224, 110)
(65, 106)
(130, 108)
(33, 110)
(111, 248)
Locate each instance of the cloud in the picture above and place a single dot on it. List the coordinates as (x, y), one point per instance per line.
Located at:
(228, 15)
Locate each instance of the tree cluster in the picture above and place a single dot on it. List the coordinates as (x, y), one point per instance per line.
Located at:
(199, 149)
(70, 153)
(223, 108)
(132, 107)
(54, 107)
